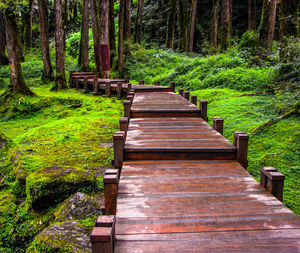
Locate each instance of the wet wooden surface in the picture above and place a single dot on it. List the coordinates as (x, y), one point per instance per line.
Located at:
(182, 190)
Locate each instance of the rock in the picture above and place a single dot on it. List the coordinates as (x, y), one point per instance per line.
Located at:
(3, 140)
(78, 207)
(7, 206)
(51, 185)
(20, 174)
(69, 236)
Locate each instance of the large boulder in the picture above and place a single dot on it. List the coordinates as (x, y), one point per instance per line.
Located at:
(78, 207)
(51, 185)
(69, 236)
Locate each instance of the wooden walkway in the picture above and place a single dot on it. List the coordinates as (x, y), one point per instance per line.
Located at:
(182, 188)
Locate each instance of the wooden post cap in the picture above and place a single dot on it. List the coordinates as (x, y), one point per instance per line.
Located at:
(129, 86)
(101, 234)
(203, 102)
(124, 120)
(126, 102)
(105, 221)
(141, 82)
(110, 179)
(111, 172)
(218, 119)
(272, 173)
(119, 135)
(180, 91)
(243, 136)
(172, 86)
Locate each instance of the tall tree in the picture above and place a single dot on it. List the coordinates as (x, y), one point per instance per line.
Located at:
(60, 79)
(65, 20)
(127, 26)
(251, 14)
(48, 74)
(3, 57)
(267, 25)
(183, 20)
(104, 38)
(83, 59)
(112, 32)
(226, 24)
(138, 23)
(171, 24)
(214, 25)
(121, 39)
(95, 29)
(192, 24)
(17, 82)
(28, 20)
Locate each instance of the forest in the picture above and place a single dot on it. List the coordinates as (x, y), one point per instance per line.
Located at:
(243, 57)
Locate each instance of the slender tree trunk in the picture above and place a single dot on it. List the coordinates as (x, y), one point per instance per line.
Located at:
(85, 37)
(193, 24)
(104, 39)
(251, 14)
(65, 21)
(138, 23)
(186, 24)
(180, 16)
(121, 39)
(48, 74)
(171, 24)
(214, 25)
(3, 57)
(60, 79)
(268, 17)
(17, 82)
(127, 33)
(226, 24)
(28, 24)
(112, 32)
(95, 29)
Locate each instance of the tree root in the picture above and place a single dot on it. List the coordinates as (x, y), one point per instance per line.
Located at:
(269, 122)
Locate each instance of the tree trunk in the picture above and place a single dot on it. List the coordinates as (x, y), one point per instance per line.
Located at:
(104, 39)
(226, 24)
(268, 17)
(112, 32)
(95, 29)
(48, 74)
(3, 57)
(60, 79)
(171, 24)
(251, 14)
(214, 25)
(121, 39)
(28, 25)
(127, 33)
(289, 19)
(138, 23)
(84, 53)
(192, 24)
(186, 24)
(65, 21)
(17, 82)
(180, 16)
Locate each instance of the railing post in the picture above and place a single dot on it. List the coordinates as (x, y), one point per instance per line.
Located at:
(119, 90)
(126, 79)
(110, 192)
(235, 136)
(180, 91)
(186, 95)
(242, 149)
(203, 109)
(127, 105)
(103, 239)
(77, 83)
(115, 78)
(272, 180)
(85, 84)
(107, 89)
(157, 83)
(71, 78)
(218, 124)
(95, 84)
(124, 124)
(172, 86)
(129, 87)
(194, 99)
(141, 82)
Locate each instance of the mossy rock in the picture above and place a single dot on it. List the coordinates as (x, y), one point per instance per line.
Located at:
(69, 236)
(51, 185)
(4, 140)
(78, 207)
(7, 206)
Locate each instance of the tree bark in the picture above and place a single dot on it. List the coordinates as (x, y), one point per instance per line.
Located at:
(95, 29)
(112, 32)
(171, 24)
(17, 82)
(226, 24)
(251, 14)
(180, 11)
(3, 57)
(84, 52)
(60, 79)
(268, 17)
(214, 25)
(138, 23)
(48, 74)
(193, 24)
(121, 39)
(104, 39)
(28, 25)
(127, 33)
(65, 21)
